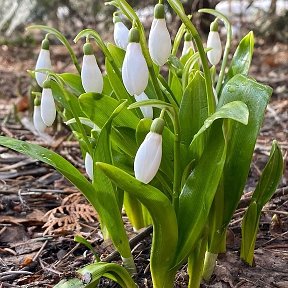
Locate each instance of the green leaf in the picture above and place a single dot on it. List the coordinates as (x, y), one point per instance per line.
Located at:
(198, 193)
(193, 109)
(59, 163)
(70, 283)
(85, 242)
(249, 229)
(242, 139)
(270, 177)
(105, 192)
(236, 110)
(116, 82)
(242, 58)
(74, 82)
(99, 107)
(109, 270)
(163, 216)
(117, 53)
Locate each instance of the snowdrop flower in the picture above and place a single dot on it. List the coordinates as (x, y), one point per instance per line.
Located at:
(149, 154)
(48, 107)
(214, 42)
(121, 33)
(37, 119)
(43, 62)
(147, 111)
(135, 73)
(91, 77)
(159, 37)
(188, 44)
(89, 165)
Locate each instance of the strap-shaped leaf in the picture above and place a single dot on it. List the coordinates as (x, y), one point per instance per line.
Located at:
(193, 109)
(163, 216)
(198, 193)
(110, 214)
(99, 107)
(270, 177)
(110, 270)
(74, 82)
(265, 189)
(242, 58)
(53, 159)
(242, 138)
(117, 53)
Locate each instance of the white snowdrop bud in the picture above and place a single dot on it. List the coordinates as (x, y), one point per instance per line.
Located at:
(214, 42)
(37, 119)
(188, 44)
(43, 62)
(147, 111)
(91, 76)
(159, 37)
(135, 73)
(121, 33)
(48, 107)
(89, 165)
(149, 154)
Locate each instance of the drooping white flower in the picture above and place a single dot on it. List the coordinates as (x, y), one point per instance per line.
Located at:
(91, 76)
(149, 154)
(48, 107)
(89, 165)
(214, 42)
(188, 44)
(135, 73)
(43, 62)
(159, 37)
(121, 33)
(37, 119)
(147, 111)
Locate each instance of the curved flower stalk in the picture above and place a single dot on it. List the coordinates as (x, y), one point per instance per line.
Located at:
(43, 62)
(159, 37)
(91, 76)
(121, 33)
(188, 44)
(89, 165)
(48, 108)
(214, 42)
(134, 70)
(37, 119)
(147, 111)
(149, 154)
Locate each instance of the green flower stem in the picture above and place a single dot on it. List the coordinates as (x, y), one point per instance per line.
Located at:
(62, 39)
(178, 8)
(227, 45)
(127, 10)
(90, 32)
(196, 262)
(61, 83)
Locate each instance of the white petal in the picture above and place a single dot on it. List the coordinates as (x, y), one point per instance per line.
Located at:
(91, 76)
(214, 42)
(121, 34)
(134, 70)
(188, 45)
(48, 108)
(148, 157)
(147, 111)
(37, 120)
(43, 62)
(89, 165)
(159, 42)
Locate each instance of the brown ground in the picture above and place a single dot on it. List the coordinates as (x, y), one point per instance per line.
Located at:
(29, 189)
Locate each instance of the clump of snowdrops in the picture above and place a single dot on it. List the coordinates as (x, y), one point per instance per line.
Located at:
(173, 150)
